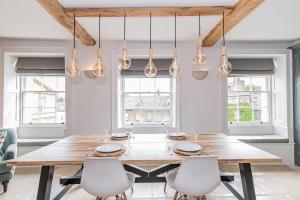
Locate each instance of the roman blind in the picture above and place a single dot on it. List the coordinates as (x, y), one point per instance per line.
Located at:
(40, 65)
(255, 66)
(138, 65)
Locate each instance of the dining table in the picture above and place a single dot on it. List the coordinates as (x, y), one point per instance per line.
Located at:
(144, 150)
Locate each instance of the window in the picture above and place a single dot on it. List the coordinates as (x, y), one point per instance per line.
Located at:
(42, 99)
(147, 101)
(249, 99)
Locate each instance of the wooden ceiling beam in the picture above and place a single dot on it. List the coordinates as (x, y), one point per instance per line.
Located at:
(141, 12)
(57, 11)
(232, 18)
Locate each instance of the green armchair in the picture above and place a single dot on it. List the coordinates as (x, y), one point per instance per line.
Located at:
(9, 151)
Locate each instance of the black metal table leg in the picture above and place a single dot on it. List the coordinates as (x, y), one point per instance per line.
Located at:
(45, 183)
(247, 181)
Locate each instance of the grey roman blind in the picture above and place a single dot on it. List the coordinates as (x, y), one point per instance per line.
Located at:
(252, 66)
(138, 65)
(40, 65)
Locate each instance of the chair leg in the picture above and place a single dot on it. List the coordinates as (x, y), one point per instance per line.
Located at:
(124, 196)
(131, 189)
(5, 185)
(165, 187)
(175, 196)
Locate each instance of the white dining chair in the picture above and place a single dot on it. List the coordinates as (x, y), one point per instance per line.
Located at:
(196, 176)
(106, 177)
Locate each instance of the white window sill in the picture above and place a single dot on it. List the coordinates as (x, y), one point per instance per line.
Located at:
(273, 138)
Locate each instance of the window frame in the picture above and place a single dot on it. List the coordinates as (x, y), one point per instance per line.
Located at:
(172, 106)
(270, 102)
(21, 107)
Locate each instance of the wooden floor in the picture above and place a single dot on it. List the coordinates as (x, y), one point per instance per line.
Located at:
(271, 183)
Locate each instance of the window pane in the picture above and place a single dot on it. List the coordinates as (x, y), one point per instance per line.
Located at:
(39, 99)
(60, 99)
(231, 84)
(265, 115)
(245, 114)
(148, 100)
(43, 99)
(232, 114)
(245, 99)
(163, 100)
(162, 116)
(260, 99)
(232, 99)
(131, 116)
(32, 83)
(162, 84)
(39, 115)
(147, 85)
(131, 85)
(50, 83)
(147, 116)
(132, 101)
(243, 83)
(260, 84)
(61, 83)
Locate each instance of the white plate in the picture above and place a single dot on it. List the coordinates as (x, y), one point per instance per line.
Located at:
(176, 134)
(119, 135)
(108, 148)
(188, 147)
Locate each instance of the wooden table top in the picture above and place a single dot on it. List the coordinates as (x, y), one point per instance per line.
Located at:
(144, 149)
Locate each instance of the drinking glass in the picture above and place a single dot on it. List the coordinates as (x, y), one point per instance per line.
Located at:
(107, 131)
(196, 132)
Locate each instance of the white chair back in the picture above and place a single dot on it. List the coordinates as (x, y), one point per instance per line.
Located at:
(104, 177)
(197, 175)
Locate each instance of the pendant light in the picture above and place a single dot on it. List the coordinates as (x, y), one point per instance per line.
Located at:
(72, 69)
(174, 67)
(225, 67)
(124, 61)
(99, 68)
(200, 70)
(150, 69)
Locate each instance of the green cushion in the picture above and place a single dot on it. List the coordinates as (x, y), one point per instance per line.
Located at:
(9, 150)
(11, 137)
(6, 176)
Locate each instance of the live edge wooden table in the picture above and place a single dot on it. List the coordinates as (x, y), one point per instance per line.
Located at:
(144, 149)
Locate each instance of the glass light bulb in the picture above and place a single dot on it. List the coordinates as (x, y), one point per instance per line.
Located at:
(174, 68)
(199, 57)
(72, 69)
(225, 66)
(150, 69)
(124, 61)
(99, 68)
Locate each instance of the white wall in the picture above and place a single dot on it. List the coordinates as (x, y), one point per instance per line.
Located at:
(89, 101)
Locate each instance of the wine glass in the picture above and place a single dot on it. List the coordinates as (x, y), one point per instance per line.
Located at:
(196, 132)
(192, 132)
(166, 131)
(107, 131)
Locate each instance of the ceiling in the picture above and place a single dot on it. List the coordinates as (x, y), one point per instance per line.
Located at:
(273, 20)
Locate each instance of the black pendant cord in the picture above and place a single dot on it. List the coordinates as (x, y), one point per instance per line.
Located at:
(99, 32)
(175, 42)
(124, 24)
(223, 21)
(74, 29)
(199, 25)
(150, 30)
